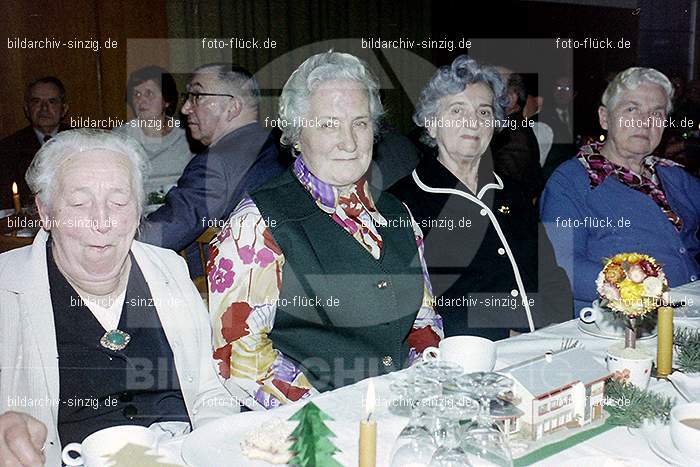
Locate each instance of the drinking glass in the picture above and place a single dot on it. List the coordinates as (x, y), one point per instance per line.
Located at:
(414, 445)
(438, 370)
(409, 390)
(483, 442)
(446, 413)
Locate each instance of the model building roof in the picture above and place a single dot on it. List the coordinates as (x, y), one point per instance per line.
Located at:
(551, 372)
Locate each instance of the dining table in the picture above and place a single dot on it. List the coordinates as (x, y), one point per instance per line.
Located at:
(217, 444)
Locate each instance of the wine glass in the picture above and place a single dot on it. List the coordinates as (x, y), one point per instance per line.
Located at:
(414, 445)
(438, 370)
(413, 452)
(409, 390)
(483, 441)
(446, 413)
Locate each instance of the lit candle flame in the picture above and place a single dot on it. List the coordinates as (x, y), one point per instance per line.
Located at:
(370, 402)
(14, 188)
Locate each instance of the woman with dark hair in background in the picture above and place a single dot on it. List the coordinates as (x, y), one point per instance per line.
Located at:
(152, 96)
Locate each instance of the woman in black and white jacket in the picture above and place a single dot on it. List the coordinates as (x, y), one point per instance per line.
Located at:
(491, 265)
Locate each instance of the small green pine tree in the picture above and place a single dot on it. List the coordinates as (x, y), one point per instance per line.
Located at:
(312, 446)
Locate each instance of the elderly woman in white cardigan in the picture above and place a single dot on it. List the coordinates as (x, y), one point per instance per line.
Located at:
(96, 329)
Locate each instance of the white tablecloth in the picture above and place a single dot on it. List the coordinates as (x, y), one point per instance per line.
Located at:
(345, 405)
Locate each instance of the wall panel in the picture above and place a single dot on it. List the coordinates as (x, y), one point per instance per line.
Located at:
(95, 81)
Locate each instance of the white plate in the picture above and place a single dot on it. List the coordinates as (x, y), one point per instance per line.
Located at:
(593, 330)
(217, 443)
(25, 233)
(690, 294)
(661, 444)
(688, 312)
(607, 461)
(687, 386)
(6, 212)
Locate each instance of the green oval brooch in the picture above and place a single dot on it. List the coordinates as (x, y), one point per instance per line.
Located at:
(115, 340)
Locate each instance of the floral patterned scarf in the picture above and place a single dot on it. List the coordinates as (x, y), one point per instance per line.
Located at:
(354, 212)
(599, 168)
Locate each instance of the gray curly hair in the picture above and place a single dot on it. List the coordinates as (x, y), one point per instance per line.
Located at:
(631, 78)
(327, 66)
(452, 79)
(42, 172)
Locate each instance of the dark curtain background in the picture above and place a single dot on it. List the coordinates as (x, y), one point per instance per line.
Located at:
(301, 28)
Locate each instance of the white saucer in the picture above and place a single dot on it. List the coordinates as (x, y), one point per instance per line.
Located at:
(687, 386)
(689, 294)
(661, 444)
(6, 212)
(25, 233)
(607, 461)
(688, 312)
(593, 330)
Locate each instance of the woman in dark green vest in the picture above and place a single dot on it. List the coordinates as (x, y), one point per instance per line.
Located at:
(317, 281)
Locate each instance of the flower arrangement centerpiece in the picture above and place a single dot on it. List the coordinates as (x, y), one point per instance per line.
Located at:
(633, 286)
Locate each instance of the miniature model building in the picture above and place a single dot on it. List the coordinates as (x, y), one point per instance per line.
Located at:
(506, 416)
(557, 390)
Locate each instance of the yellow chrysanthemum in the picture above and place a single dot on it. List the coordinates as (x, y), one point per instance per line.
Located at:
(635, 298)
(617, 259)
(631, 292)
(634, 258)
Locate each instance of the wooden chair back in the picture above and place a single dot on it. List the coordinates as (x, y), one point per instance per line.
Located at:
(202, 243)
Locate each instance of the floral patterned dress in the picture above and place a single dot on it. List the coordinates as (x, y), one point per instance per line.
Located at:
(245, 278)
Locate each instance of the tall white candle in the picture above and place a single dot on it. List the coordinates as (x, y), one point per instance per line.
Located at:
(368, 430)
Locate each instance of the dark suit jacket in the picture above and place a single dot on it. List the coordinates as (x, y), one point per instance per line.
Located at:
(563, 147)
(394, 157)
(516, 154)
(16, 153)
(212, 185)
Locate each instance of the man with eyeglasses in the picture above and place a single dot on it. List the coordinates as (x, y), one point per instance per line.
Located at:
(221, 105)
(45, 107)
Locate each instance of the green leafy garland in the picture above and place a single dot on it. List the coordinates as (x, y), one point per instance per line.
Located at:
(630, 406)
(687, 343)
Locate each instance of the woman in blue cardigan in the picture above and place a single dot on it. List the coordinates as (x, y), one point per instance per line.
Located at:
(617, 197)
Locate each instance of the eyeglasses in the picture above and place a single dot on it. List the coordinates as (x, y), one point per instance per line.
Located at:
(194, 97)
(563, 88)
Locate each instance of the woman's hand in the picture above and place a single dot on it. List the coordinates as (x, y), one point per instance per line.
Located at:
(21, 440)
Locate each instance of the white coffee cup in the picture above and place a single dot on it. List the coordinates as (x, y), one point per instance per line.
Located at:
(685, 438)
(633, 365)
(95, 450)
(472, 353)
(604, 319)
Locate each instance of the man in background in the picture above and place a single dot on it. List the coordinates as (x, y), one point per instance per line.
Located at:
(45, 107)
(222, 114)
(515, 149)
(559, 115)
